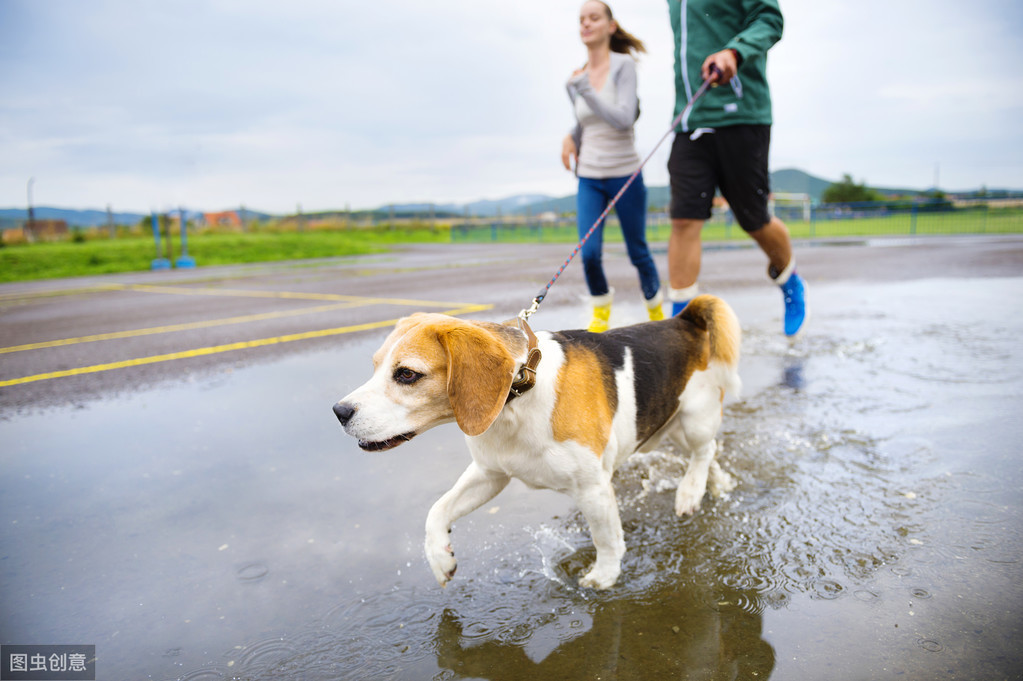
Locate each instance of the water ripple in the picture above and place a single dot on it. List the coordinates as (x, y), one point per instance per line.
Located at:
(824, 502)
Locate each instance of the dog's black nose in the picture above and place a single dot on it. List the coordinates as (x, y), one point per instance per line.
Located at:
(344, 412)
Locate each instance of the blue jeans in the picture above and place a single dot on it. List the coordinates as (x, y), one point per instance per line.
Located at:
(591, 200)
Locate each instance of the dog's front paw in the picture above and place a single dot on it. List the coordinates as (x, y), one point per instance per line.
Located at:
(600, 577)
(687, 498)
(442, 561)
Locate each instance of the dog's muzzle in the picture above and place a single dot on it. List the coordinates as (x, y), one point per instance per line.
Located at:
(344, 412)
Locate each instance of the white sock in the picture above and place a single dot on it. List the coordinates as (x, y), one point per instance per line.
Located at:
(783, 277)
(681, 295)
(601, 301)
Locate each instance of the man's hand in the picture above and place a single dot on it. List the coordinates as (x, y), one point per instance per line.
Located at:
(726, 64)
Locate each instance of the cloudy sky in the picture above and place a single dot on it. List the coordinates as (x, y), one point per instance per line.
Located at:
(149, 104)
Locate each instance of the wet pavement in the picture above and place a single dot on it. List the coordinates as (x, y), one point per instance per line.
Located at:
(203, 516)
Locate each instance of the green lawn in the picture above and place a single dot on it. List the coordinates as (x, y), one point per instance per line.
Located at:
(132, 254)
(973, 221)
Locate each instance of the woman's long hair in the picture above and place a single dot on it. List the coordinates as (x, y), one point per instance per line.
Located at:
(621, 40)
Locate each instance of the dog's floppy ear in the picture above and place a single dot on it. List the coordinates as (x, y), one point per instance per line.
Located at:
(480, 373)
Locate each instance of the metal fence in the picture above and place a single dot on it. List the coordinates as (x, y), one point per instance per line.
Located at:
(822, 221)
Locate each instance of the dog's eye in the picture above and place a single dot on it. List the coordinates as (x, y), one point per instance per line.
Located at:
(406, 375)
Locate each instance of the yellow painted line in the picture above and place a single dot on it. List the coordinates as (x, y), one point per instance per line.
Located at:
(216, 349)
(170, 328)
(346, 301)
(255, 293)
(54, 293)
(230, 293)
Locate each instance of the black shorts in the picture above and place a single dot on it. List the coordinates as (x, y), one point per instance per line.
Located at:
(733, 159)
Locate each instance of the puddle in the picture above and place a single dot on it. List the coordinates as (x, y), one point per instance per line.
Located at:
(229, 529)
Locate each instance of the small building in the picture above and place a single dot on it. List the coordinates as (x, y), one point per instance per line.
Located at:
(45, 230)
(227, 218)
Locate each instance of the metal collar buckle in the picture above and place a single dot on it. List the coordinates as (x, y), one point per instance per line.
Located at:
(525, 379)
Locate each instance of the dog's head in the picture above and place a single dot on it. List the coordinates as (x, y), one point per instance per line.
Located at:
(430, 370)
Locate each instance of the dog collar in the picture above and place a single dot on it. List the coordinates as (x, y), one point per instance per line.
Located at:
(525, 379)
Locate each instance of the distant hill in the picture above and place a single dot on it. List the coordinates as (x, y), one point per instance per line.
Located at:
(784, 181)
(511, 205)
(793, 181)
(787, 181)
(14, 217)
(80, 218)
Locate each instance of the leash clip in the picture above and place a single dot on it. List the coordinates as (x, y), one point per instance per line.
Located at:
(524, 315)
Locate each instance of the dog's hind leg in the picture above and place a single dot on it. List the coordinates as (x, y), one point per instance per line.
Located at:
(703, 474)
(474, 488)
(698, 422)
(598, 504)
(694, 483)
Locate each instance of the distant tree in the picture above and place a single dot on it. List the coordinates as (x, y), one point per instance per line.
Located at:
(847, 191)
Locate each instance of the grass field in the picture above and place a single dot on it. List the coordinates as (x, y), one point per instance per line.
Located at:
(96, 255)
(903, 223)
(131, 254)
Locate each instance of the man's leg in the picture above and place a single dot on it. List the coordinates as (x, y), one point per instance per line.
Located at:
(774, 240)
(692, 171)
(684, 255)
(746, 185)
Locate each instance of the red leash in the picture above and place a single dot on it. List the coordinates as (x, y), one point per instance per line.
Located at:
(526, 314)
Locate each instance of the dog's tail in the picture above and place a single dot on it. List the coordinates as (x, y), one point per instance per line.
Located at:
(716, 317)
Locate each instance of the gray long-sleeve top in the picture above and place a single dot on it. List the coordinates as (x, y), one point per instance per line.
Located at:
(603, 133)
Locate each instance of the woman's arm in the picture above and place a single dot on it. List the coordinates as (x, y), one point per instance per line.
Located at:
(623, 114)
(574, 139)
(569, 150)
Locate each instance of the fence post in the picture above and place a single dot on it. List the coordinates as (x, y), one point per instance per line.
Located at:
(159, 262)
(912, 218)
(184, 260)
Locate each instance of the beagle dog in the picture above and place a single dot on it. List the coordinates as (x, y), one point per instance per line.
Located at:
(557, 410)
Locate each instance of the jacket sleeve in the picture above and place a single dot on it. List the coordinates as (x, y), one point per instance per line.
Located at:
(761, 29)
(623, 114)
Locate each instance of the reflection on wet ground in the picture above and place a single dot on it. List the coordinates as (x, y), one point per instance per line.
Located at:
(228, 530)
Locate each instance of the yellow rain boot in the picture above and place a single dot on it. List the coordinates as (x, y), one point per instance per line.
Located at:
(655, 306)
(601, 312)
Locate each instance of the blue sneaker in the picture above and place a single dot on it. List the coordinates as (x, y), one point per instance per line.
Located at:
(677, 307)
(794, 291)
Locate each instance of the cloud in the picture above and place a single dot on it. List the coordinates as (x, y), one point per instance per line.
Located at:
(143, 104)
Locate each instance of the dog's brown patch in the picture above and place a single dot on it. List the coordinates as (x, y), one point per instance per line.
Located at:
(586, 400)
